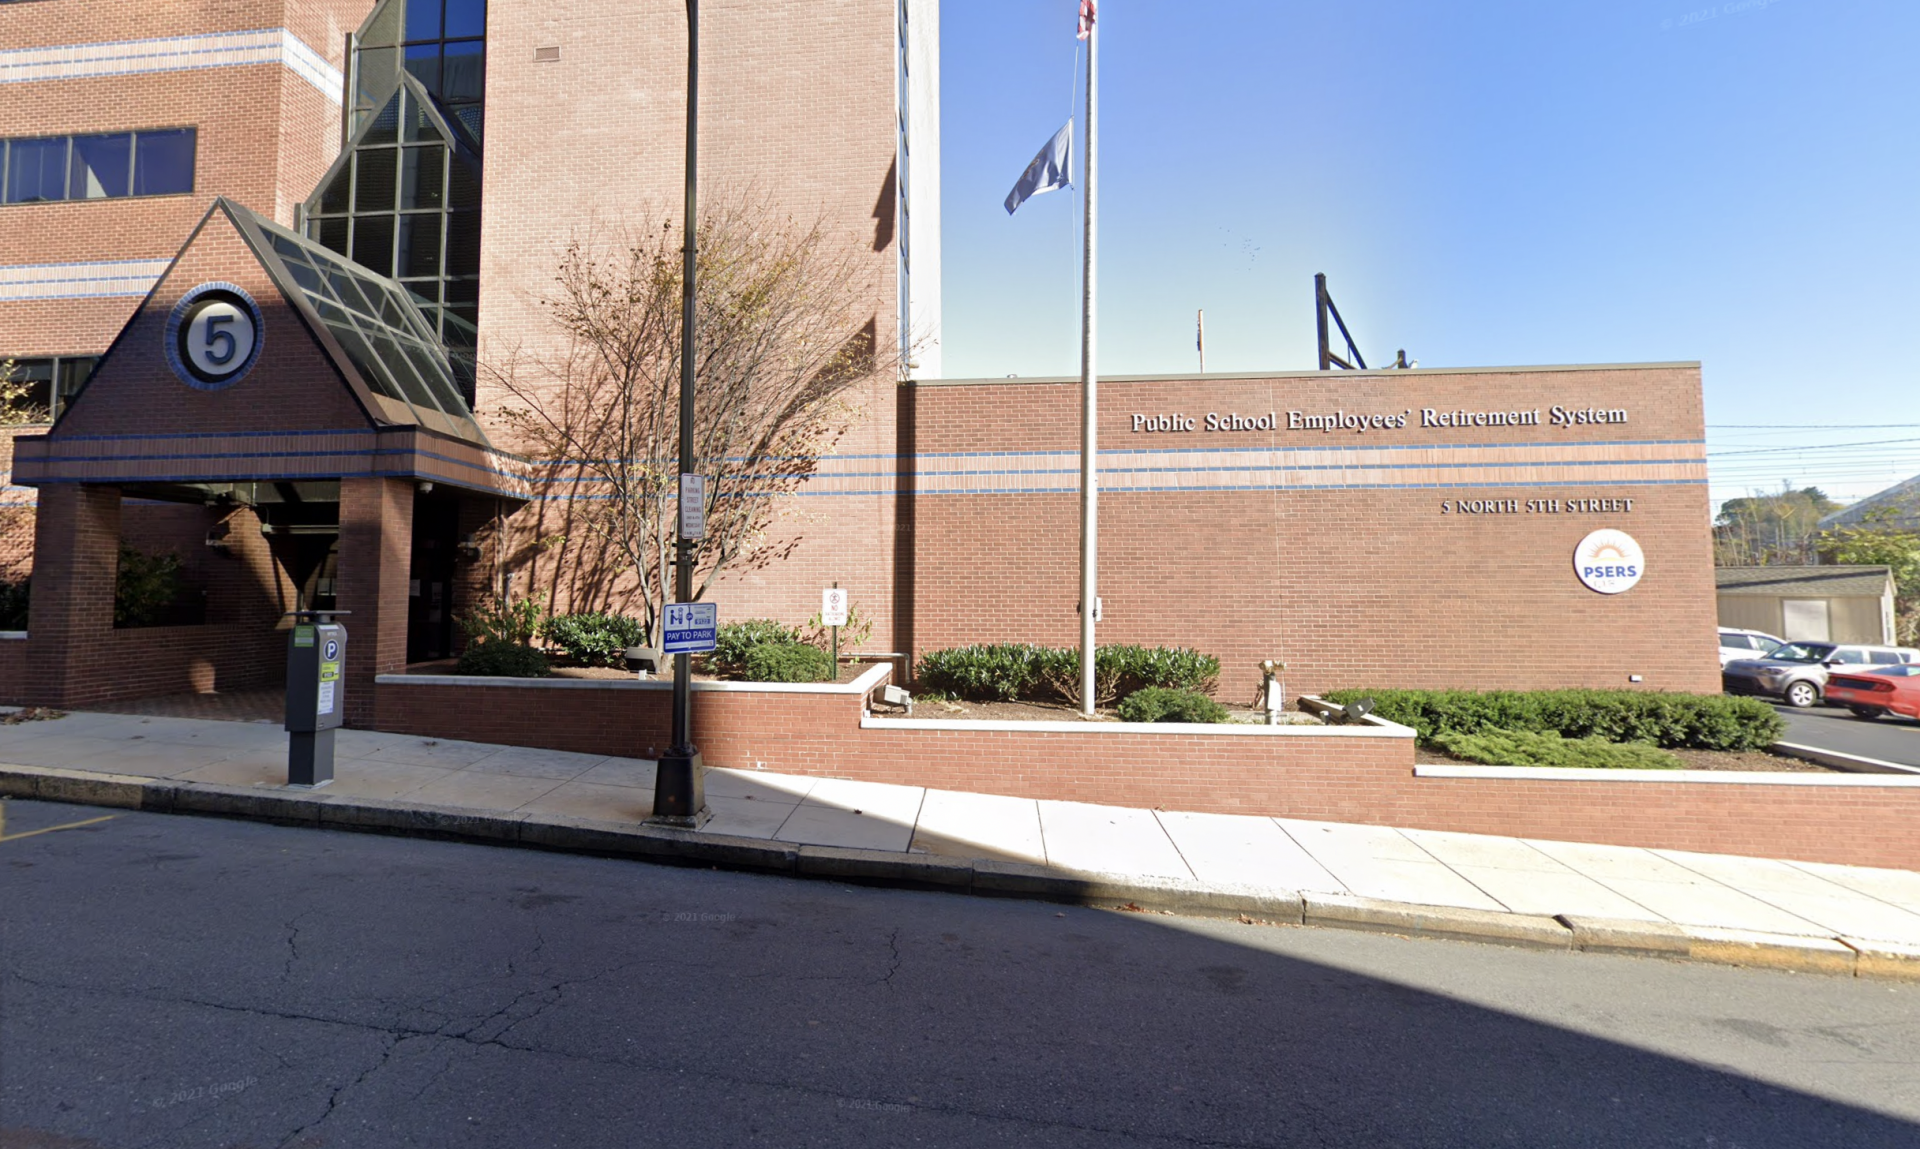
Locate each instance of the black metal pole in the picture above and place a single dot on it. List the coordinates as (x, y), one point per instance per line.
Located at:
(1320, 317)
(679, 791)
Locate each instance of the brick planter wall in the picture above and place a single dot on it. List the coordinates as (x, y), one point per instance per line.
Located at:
(1339, 774)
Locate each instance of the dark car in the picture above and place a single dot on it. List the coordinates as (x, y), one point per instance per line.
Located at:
(1796, 672)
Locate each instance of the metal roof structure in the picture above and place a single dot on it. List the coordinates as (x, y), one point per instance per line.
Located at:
(1805, 582)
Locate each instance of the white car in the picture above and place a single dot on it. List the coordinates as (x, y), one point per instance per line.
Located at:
(1737, 643)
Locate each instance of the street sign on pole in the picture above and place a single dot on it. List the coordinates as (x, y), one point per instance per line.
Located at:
(833, 607)
(692, 627)
(693, 506)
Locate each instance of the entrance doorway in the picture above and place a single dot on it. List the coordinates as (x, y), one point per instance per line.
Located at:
(436, 542)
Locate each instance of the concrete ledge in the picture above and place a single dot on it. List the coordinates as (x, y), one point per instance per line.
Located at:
(885, 866)
(1205, 729)
(690, 847)
(1343, 911)
(1627, 936)
(1710, 777)
(51, 784)
(864, 684)
(1839, 761)
(347, 813)
(1770, 951)
(1884, 959)
(258, 803)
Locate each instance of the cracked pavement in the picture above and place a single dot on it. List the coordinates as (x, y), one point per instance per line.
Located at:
(304, 989)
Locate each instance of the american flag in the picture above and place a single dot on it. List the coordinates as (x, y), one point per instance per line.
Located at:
(1086, 18)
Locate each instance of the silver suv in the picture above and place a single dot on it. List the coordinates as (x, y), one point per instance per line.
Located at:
(1797, 671)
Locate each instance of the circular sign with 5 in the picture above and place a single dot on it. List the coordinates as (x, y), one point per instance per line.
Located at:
(214, 336)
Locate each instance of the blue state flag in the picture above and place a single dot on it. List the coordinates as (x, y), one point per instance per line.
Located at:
(1050, 170)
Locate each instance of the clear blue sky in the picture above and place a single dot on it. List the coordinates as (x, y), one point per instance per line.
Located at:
(1490, 183)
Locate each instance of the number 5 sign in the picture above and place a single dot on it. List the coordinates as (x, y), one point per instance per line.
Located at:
(214, 335)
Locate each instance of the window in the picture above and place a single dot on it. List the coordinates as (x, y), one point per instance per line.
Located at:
(50, 382)
(441, 43)
(105, 165)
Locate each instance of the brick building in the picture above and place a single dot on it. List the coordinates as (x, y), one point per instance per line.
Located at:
(375, 195)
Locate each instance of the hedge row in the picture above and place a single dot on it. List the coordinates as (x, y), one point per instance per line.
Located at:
(1003, 672)
(1525, 748)
(1696, 721)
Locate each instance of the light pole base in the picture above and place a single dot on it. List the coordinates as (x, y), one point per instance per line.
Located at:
(680, 790)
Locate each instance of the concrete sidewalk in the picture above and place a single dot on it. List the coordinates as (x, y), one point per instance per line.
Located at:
(1565, 895)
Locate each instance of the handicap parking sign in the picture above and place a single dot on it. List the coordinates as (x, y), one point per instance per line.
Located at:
(692, 627)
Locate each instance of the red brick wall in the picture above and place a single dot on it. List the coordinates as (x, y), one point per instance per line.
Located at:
(265, 136)
(1326, 776)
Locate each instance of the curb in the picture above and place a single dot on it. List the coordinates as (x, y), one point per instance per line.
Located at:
(1838, 761)
(1847, 957)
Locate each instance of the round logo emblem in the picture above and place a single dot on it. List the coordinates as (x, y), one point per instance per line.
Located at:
(214, 336)
(1609, 561)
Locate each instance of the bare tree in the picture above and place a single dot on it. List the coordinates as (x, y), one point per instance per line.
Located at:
(785, 332)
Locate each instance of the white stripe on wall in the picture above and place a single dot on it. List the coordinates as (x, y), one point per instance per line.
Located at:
(173, 54)
(30, 281)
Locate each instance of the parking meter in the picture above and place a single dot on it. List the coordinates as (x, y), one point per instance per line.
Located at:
(316, 696)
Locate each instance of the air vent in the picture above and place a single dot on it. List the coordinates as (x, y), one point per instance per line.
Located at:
(547, 55)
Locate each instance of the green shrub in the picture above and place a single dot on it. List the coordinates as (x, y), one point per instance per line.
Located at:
(503, 660)
(1695, 721)
(983, 672)
(145, 587)
(515, 622)
(788, 662)
(594, 638)
(1530, 748)
(14, 601)
(1158, 704)
(734, 641)
(1002, 672)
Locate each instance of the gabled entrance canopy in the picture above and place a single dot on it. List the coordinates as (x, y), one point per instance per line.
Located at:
(331, 372)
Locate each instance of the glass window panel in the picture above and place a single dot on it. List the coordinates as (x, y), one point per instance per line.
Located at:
(102, 166)
(423, 60)
(385, 26)
(401, 374)
(466, 18)
(463, 291)
(364, 360)
(36, 375)
(338, 193)
(373, 180)
(419, 126)
(419, 245)
(37, 170)
(422, 174)
(163, 162)
(385, 128)
(425, 293)
(463, 243)
(73, 375)
(467, 313)
(373, 243)
(470, 118)
(333, 235)
(423, 19)
(463, 186)
(463, 75)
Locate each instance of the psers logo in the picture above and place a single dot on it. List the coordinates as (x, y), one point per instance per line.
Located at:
(1609, 561)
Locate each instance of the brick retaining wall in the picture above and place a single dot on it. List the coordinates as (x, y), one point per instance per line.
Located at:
(1328, 774)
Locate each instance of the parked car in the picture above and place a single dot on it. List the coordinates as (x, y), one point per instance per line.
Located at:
(1737, 643)
(1796, 672)
(1877, 692)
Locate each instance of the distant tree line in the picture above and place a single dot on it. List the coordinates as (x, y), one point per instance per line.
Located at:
(1783, 529)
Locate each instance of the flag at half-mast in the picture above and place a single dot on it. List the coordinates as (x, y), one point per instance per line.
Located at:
(1051, 170)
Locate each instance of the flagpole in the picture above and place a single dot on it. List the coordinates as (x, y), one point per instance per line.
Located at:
(1089, 390)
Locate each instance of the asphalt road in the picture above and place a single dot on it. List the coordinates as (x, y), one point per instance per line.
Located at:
(179, 982)
(1832, 728)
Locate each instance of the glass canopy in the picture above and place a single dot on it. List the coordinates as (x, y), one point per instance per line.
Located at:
(380, 327)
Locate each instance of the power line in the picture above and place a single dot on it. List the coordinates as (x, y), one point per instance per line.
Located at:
(1809, 426)
(1812, 447)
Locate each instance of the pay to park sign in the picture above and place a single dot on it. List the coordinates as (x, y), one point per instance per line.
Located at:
(692, 627)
